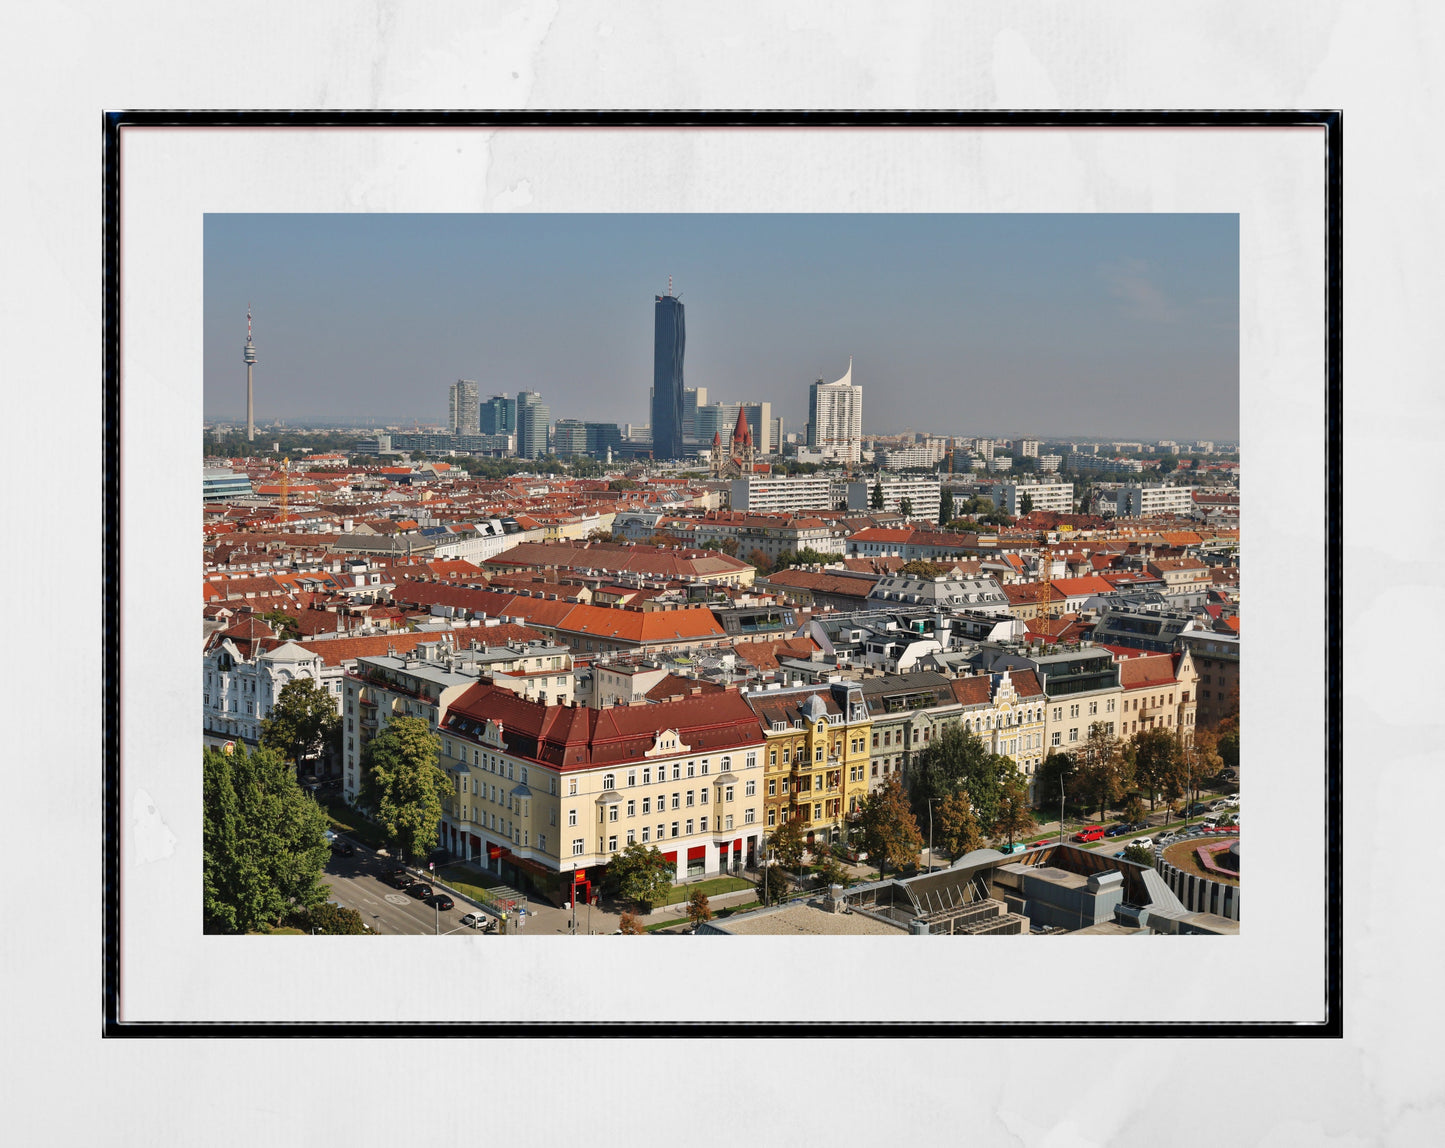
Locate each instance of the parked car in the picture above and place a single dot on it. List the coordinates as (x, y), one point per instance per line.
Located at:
(1166, 837)
(1120, 829)
(1089, 833)
(1143, 842)
(397, 878)
(344, 848)
(477, 920)
(1220, 803)
(1196, 809)
(419, 890)
(441, 901)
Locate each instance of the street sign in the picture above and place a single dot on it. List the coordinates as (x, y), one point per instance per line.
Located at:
(579, 876)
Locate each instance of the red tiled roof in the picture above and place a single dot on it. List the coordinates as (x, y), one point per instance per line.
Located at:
(568, 737)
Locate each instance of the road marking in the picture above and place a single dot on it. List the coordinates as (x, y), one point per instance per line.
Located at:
(396, 899)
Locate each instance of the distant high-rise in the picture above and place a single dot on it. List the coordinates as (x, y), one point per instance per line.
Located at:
(533, 415)
(248, 356)
(462, 411)
(569, 438)
(835, 417)
(692, 398)
(668, 340)
(498, 415)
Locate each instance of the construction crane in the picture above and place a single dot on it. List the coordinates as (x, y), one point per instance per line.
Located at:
(285, 486)
(1045, 595)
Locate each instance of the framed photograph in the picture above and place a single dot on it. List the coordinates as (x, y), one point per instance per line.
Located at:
(1155, 281)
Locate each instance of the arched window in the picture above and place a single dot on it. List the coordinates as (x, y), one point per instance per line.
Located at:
(609, 781)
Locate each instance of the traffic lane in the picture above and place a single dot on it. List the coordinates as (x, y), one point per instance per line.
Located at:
(356, 884)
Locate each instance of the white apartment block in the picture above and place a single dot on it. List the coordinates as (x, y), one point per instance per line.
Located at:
(1000, 462)
(1026, 447)
(1154, 498)
(835, 417)
(1055, 496)
(1050, 463)
(784, 494)
(923, 494)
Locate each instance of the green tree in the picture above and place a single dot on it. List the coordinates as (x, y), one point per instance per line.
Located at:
(330, 919)
(826, 866)
(403, 785)
(905, 507)
(921, 568)
(1140, 855)
(1168, 463)
(955, 828)
(283, 624)
(772, 884)
(641, 874)
(1026, 504)
(786, 558)
(957, 759)
(1099, 776)
(263, 841)
(945, 505)
(787, 842)
(807, 556)
(729, 546)
(697, 908)
(1053, 773)
(888, 828)
(1199, 761)
(620, 484)
(876, 502)
(1134, 808)
(303, 721)
(1014, 819)
(1156, 761)
(1227, 741)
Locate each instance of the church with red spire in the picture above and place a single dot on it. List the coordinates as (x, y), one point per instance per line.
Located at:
(737, 458)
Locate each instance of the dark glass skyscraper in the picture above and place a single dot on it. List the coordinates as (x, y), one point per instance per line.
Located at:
(669, 337)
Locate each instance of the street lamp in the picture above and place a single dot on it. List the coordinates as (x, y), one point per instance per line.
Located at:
(930, 835)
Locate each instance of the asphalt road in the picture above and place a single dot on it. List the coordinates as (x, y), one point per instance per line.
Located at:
(356, 884)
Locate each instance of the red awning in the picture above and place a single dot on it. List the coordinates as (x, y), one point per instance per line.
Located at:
(697, 853)
(670, 858)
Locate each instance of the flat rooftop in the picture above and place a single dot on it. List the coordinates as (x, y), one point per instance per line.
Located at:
(801, 919)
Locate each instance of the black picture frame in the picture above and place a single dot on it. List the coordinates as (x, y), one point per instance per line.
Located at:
(113, 125)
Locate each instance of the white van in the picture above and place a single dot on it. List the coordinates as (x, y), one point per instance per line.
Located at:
(476, 920)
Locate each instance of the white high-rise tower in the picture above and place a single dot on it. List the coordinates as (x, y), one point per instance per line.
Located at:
(835, 417)
(248, 356)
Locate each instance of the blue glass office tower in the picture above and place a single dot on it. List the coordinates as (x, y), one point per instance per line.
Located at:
(669, 337)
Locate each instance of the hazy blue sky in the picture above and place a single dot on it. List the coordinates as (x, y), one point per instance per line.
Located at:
(1115, 325)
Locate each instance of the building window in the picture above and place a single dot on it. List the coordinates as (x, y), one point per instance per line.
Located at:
(576, 847)
(676, 800)
(787, 751)
(674, 828)
(631, 809)
(571, 817)
(1093, 708)
(612, 844)
(772, 757)
(612, 813)
(689, 796)
(1074, 734)
(647, 776)
(817, 811)
(632, 777)
(646, 834)
(676, 771)
(1109, 706)
(752, 759)
(818, 753)
(727, 793)
(691, 768)
(572, 787)
(728, 822)
(784, 785)
(748, 817)
(609, 781)
(688, 830)
(1055, 739)
(773, 787)
(750, 789)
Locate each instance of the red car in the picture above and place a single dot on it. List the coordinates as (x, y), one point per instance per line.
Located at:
(1089, 833)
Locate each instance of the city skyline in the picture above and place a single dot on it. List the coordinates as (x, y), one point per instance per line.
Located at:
(1113, 326)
